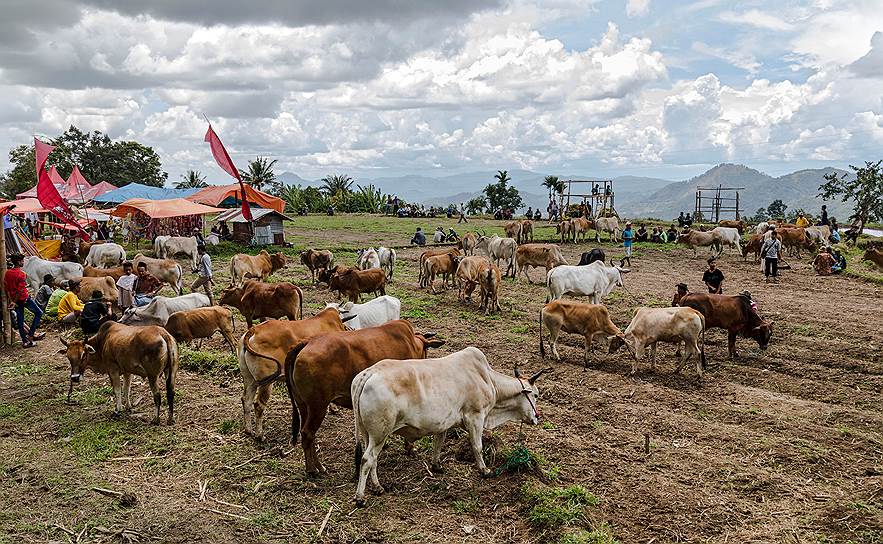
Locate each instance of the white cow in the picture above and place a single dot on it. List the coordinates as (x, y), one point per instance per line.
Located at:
(368, 258)
(35, 268)
(373, 313)
(166, 247)
(107, 255)
(499, 249)
(165, 270)
(160, 308)
(819, 234)
(677, 324)
(596, 280)
(387, 259)
(728, 236)
(761, 227)
(459, 390)
(609, 225)
(158, 244)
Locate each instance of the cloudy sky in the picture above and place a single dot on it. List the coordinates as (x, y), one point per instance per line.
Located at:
(390, 87)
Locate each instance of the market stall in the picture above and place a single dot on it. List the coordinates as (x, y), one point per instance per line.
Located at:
(230, 196)
(268, 226)
(148, 219)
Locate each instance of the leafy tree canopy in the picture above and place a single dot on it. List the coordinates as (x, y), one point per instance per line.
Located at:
(864, 189)
(501, 195)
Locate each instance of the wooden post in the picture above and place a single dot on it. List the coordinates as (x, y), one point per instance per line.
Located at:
(4, 301)
(737, 205)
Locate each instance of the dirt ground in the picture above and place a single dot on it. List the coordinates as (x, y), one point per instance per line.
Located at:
(784, 445)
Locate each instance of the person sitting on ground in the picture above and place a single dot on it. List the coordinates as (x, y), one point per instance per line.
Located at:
(641, 235)
(823, 262)
(70, 305)
(839, 261)
(802, 221)
(529, 214)
(45, 291)
(835, 232)
(851, 235)
(679, 294)
(672, 234)
(94, 313)
(146, 285)
(419, 238)
(713, 278)
(681, 219)
(57, 295)
(439, 235)
(126, 287)
(688, 221)
(537, 215)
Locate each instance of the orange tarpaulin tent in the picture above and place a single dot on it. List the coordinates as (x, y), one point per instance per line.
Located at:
(214, 195)
(27, 205)
(158, 209)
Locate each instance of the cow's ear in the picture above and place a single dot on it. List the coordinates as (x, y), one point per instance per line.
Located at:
(435, 343)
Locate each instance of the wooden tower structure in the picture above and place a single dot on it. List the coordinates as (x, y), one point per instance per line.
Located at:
(711, 202)
(596, 193)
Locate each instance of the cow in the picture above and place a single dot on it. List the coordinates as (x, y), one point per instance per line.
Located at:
(793, 239)
(165, 270)
(258, 267)
(421, 281)
(467, 243)
(732, 313)
(320, 371)
(499, 249)
(106, 285)
(468, 272)
(565, 229)
(105, 255)
(490, 282)
(609, 225)
(187, 325)
(513, 230)
(368, 259)
(261, 352)
(695, 238)
(84, 248)
(739, 225)
(403, 397)
(819, 234)
(579, 227)
(728, 236)
(546, 256)
(159, 309)
(373, 313)
(324, 275)
(753, 246)
(526, 229)
(257, 300)
(588, 320)
(120, 351)
(676, 324)
(316, 259)
(875, 256)
(36, 268)
(444, 265)
(588, 257)
(595, 281)
(351, 283)
(762, 227)
(91, 272)
(387, 257)
(166, 247)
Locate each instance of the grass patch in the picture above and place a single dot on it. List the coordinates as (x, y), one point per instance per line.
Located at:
(521, 329)
(519, 460)
(227, 426)
(466, 506)
(207, 362)
(9, 411)
(553, 507)
(98, 441)
(24, 369)
(600, 535)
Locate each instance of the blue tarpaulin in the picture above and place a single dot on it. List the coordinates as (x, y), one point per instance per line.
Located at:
(135, 190)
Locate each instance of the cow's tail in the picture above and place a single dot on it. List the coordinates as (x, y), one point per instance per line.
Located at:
(300, 301)
(272, 377)
(542, 347)
(290, 386)
(702, 346)
(171, 373)
(392, 262)
(179, 284)
(357, 388)
(548, 284)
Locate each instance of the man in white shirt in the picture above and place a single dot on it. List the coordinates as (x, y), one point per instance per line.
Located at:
(204, 271)
(126, 287)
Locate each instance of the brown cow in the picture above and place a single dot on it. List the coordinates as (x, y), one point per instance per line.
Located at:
(695, 238)
(421, 281)
(120, 350)
(794, 239)
(261, 352)
(446, 265)
(732, 313)
(587, 320)
(468, 242)
(258, 267)
(513, 230)
(580, 226)
(753, 246)
(738, 225)
(565, 229)
(256, 300)
(490, 280)
(106, 285)
(165, 270)
(316, 260)
(875, 256)
(351, 283)
(526, 229)
(324, 274)
(92, 272)
(187, 325)
(468, 272)
(320, 372)
(546, 256)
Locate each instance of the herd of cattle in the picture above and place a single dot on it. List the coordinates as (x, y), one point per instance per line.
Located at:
(364, 357)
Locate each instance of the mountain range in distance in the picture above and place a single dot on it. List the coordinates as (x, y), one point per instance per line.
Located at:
(635, 196)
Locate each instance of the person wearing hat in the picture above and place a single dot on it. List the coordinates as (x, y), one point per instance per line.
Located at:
(15, 283)
(70, 306)
(94, 313)
(681, 293)
(628, 236)
(204, 271)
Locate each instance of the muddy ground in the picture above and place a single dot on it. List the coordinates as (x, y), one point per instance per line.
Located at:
(784, 445)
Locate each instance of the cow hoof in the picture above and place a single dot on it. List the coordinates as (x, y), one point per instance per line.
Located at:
(360, 502)
(487, 473)
(313, 474)
(116, 415)
(437, 469)
(378, 492)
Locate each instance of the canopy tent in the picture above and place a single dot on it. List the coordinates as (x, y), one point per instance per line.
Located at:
(102, 216)
(101, 188)
(138, 191)
(160, 209)
(27, 205)
(76, 190)
(56, 180)
(229, 196)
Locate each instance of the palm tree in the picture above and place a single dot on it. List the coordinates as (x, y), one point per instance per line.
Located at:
(550, 183)
(337, 184)
(260, 173)
(502, 177)
(193, 179)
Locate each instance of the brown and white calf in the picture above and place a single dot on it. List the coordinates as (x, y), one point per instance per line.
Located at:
(490, 280)
(202, 323)
(468, 272)
(652, 325)
(255, 267)
(546, 256)
(443, 265)
(588, 320)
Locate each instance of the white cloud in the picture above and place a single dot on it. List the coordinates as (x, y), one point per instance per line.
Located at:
(637, 8)
(756, 18)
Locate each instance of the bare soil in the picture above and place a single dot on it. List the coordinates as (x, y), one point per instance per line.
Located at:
(782, 445)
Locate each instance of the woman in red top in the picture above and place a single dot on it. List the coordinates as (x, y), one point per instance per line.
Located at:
(16, 286)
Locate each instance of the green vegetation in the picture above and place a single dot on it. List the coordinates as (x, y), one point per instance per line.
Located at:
(553, 507)
(227, 426)
(520, 459)
(9, 411)
(98, 441)
(207, 362)
(599, 535)
(466, 506)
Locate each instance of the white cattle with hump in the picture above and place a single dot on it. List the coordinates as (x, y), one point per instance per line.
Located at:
(652, 325)
(728, 236)
(35, 268)
(166, 247)
(596, 281)
(159, 309)
(499, 249)
(107, 255)
(373, 313)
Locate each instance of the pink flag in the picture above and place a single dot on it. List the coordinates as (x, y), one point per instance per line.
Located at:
(223, 160)
(48, 195)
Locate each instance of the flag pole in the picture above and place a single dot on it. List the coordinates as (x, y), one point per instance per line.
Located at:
(83, 201)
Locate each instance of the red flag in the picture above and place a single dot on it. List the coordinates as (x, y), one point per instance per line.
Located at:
(223, 160)
(48, 195)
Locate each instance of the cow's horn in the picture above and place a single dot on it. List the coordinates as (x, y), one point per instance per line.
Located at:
(347, 318)
(517, 373)
(429, 334)
(611, 262)
(63, 341)
(537, 375)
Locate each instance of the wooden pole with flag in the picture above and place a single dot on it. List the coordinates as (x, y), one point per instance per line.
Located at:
(223, 159)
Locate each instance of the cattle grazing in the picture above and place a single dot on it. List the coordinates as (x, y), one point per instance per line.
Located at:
(368, 259)
(468, 273)
(36, 268)
(677, 324)
(740, 225)
(728, 236)
(324, 275)
(875, 256)
(165, 270)
(794, 239)
(166, 247)
(106, 285)
(387, 257)
(320, 371)
(753, 246)
(596, 281)
(258, 300)
(351, 283)
(695, 238)
(159, 309)
(261, 352)
(588, 320)
(732, 313)
(490, 281)
(316, 260)
(565, 229)
(526, 230)
(120, 351)
(546, 256)
(421, 281)
(499, 249)
(91, 272)
(404, 398)
(188, 325)
(513, 230)
(373, 313)
(609, 225)
(467, 243)
(588, 257)
(105, 255)
(579, 228)
(257, 267)
(444, 265)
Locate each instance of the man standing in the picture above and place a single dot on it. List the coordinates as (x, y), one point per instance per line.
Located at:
(16, 286)
(770, 251)
(628, 236)
(204, 271)
(824, 220)
(713, 278)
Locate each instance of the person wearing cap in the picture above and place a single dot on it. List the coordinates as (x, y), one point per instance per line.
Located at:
(713, 278)
(679, 294)
(70, 306)
(95, 312)
(628, 237)
(204, 271)
(15, 282)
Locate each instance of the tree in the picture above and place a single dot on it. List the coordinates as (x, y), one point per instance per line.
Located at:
(501, 195)
(776, 209)
(760, 216)
(193, 179)
(476, 205)
(337, 185)
(865, 191)
(260, 174)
